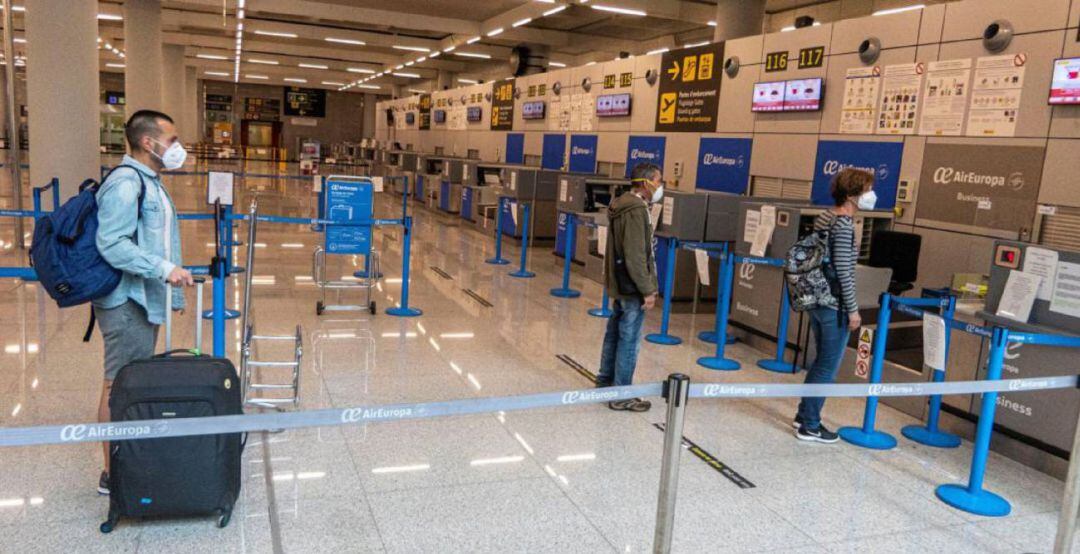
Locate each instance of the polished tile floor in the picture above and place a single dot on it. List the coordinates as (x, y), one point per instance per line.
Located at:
(580, 479)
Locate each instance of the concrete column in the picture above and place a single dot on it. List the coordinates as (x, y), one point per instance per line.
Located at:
(400, 91)
(738, 18)
(190, 132)
(62, 91)
(367, 129)
(172, 81)
(445, 80)
(142, 42)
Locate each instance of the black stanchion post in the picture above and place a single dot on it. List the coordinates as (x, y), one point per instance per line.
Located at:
(676, 392)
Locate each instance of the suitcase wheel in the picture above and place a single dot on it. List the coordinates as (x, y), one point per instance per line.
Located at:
(224, 518)
(107, 527)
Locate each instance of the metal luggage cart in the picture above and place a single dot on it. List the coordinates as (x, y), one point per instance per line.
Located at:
(348, 203)
(365, 283)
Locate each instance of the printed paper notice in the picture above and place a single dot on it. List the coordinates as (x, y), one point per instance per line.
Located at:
(933, 333)
(702, 259)
(1066, 296)
(860, 100)
(377, 184)
(900, 99)
(654, 215)
(513, 213)
(753, 217)
(219, 186)
(764, 231)
(1019, 295)
(1042, 262)
(562, 190)
(588, 109)
(669, 210)
(513, 180)
(995, 96)
(316, 183)
(945, 95)
(601, 241)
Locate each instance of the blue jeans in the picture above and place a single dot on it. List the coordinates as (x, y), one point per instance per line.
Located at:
(621, 344)
(831, 337)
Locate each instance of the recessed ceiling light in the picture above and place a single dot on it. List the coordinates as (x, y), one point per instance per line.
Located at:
(101, 16)
(312, 66)
(556, 64)
(409, 63)
(400, 66)
(712, 24)
(555, 10)
(264, 62)
(900, 10)
(591, 63)
(618, 10)
(294, 80)
(473, 55)
(333, 83)
(407, 75)
(417, 91)
(211, 57)
(521, 22)
(19, 40)
(421, 59)
(217, 73)
(473, 40)
(468, 81)
(411, 48)
(371, 87)
(116, 65)
(696, 44)
(435, 54)
(345, 41)
(253, 76)
(276, 34)
(495, 32)
(449, 49)
(360, 70)
(657, 51)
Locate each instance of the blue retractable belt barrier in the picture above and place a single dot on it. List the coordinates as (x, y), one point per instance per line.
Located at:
(929, 434)
(498, 259)
(565, 291)
(403, 310)
(725, 278)
(867, 436)
(663, 337)
(523, 272)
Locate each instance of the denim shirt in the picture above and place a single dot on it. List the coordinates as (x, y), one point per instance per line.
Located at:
(138, 253)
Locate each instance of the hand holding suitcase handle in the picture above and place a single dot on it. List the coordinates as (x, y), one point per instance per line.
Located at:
(197, 351)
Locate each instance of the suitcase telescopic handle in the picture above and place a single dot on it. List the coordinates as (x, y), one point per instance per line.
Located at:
(199, 281)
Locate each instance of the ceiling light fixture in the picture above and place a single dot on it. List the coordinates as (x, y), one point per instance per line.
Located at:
(276, 34)
(555, 10)
(312, 66)
(435, 54)
(411, 48)
(333, 83)
(556, 64)
(711, 24)
(294, 80)
(372, 87)
(473, 40)
(449, 49)
(216, 73)
(657, 51)
(618, 10)
(264, 62)
(468, 81)
(421, 59)
(495, 32)
(100, 16)
(521, 22)
(254, 76)
(211, 57)
(696, 44)
(361, 70)
(406, 75)
(900, 10)
(345, 41)
(239, 34)
(473, 55)
(116, 65)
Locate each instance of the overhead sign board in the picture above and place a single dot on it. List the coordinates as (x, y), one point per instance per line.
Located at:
(502, 105)
(425, 112)
(689, 92)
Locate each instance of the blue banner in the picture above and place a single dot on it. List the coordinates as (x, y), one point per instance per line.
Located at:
(348, 201)
(724, 164)
(515, 148)
(554, 152)
(644, 149)
(583, 153)
(880, 158)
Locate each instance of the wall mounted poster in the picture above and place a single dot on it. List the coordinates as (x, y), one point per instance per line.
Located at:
(945, 94)
(860, 100)
(900, 99)
(995, 96)
(689, 96)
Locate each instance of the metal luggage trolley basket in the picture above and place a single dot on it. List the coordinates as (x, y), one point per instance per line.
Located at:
(348, 204)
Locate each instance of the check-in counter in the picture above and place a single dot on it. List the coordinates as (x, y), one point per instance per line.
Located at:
(683, 217)
(588, 244)
(583, 195)
(537, 187)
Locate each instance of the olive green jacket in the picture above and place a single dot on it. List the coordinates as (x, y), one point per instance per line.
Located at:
(630, 229)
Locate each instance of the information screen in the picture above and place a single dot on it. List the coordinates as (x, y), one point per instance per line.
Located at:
(473, 113)
(768, 97)
(1065, 83)
(613, 105)
(802, 95)
(410, 118)
(440, 116)
(532, 110)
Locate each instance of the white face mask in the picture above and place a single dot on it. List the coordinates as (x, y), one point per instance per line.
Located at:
(174, 156)
(658, 194)
(867, 201)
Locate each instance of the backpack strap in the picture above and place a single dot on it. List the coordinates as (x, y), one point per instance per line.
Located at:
(142, 194)
(90, 326)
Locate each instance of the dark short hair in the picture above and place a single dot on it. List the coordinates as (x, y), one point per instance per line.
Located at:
(848, 183)
(141, 124)
(645, 170)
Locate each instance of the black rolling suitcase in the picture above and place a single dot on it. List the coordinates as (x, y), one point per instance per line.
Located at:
(179, 476)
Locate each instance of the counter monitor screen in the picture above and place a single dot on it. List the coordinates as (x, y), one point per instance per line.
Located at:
(1065, 83)
(768, 97)
(410, 118)
(473, 114)
(532, 110)
(802, 95)
(440, 116)
(613, 105)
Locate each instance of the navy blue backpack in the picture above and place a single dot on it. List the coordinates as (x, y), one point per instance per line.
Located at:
(64, 252)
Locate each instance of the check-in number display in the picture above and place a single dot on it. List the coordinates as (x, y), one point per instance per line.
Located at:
(776, 61)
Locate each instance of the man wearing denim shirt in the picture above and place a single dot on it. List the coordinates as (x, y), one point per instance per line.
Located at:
(144, 244)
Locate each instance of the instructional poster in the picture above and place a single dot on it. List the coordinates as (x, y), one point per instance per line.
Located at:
(588, 109)
(1066, 295)
(995, 96)
(575, 112)
(900, 99)
(945, 94)
(1042, 262)
(861, 89)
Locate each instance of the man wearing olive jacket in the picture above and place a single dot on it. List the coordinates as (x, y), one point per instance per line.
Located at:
(631, 280)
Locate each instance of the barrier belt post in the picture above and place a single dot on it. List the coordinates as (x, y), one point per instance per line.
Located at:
(603, 310)
(669, 290)
(320, 210)
(55, 184)
(726, 276)
(230, 241)
(522, 272)
(676, 392)
(405, 197)
(406, 254)
(1069, 503)
(973, 498)
(498, 259)
(930, 435)
(709, 336)
(778, 364)
(38, 214)
(568, 258)
(220, 275)
(866, 436)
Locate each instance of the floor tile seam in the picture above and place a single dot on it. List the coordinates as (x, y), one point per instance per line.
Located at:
(367, 494)
(274, 523)
(464, 484)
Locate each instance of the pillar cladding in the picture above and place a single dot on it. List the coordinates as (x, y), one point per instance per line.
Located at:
(367, 130)
(172, 81)
(142, 42)
(63, 99)
(738, 18)
(189, 111)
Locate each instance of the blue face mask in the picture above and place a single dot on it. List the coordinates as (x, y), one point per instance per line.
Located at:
(867, 201)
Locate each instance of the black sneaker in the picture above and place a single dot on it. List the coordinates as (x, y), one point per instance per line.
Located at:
(797, 422)
(630, 405)
(103, 484)
(821, 434)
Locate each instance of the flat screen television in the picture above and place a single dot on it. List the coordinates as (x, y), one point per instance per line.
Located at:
(410, 118)
(768, 97)
(473, 114)
(613, 105)
(803, 95)
(440, 116)
(1065, 82)
(532, 110)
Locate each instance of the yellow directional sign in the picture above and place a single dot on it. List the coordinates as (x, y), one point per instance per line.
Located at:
(674, 71)
(689, 70)
(667, 107)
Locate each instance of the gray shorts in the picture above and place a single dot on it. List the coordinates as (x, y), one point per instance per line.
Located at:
(127, 334)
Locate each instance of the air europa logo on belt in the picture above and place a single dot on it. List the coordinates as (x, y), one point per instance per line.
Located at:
(79, 432)
(573, 397)
(353, 415)
(729, 390)
(875, 390)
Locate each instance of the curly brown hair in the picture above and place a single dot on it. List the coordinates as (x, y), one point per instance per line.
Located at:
(850, 182)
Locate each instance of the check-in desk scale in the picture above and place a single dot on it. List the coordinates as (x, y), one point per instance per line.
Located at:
(587, 197)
